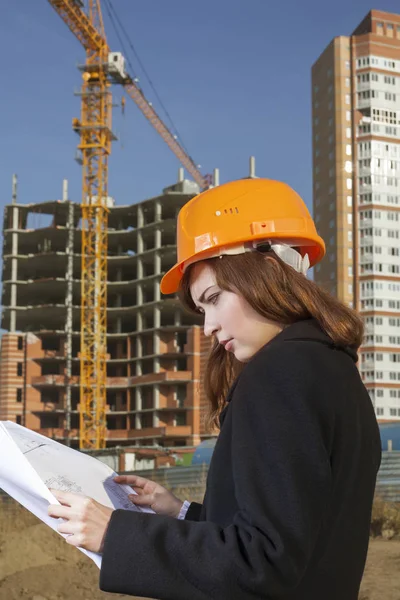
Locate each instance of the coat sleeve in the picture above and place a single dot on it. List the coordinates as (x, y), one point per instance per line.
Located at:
(282, 476)
(194, 511)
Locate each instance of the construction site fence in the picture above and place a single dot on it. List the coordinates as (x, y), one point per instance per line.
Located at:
(189, 482)
(388, 482)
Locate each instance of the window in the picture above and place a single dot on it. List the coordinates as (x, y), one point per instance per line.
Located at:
(349, 184)
(348, 151)
(348, 115)
(19, 394)
(18, 419)
(20, 342)
(181, 418)
(49, 420)
(19, 369)
(347, 98)
(348, 132)
(349, 201)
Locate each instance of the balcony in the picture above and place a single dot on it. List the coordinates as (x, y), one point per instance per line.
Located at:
(118, 382)
(363, 103)
(52, 354)
(366, 223)
(57, 433)
(366, 240)
(48, 380)
(366, 258)
(149, 432)
(363, 86)
(367, 365)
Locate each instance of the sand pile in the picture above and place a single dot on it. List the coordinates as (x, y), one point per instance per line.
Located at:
(37, 564)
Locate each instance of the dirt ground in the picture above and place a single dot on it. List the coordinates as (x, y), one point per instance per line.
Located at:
(36, 564)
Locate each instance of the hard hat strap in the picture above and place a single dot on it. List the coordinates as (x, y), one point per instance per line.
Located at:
(286, 253)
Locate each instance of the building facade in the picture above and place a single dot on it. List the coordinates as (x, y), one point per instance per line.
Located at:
(156, 350)
(356, 191)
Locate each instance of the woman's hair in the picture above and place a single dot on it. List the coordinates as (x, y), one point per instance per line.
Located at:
(278, 293)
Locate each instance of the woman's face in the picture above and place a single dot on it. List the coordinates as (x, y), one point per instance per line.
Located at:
(228, 316)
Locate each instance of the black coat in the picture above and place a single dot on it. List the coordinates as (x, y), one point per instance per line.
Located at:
(289, 491)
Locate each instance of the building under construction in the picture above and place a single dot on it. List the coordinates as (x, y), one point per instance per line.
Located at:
(155, 349)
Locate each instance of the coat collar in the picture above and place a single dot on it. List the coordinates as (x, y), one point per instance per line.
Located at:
(310, 330)
(307, 330)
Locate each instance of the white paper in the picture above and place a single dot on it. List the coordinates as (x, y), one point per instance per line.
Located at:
(31, 463)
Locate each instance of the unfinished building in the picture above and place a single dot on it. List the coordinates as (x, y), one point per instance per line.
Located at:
(155, 349)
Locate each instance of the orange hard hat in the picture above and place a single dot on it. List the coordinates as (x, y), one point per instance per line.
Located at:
(237, 212)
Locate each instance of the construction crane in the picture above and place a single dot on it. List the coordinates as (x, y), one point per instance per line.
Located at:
(102, 69)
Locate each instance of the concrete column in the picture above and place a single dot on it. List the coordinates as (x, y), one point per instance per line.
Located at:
(216, 177)
(140, 217)
(139, 345)
(118, 327)
(14, 258)
(157, 264)
(157, 239)
(138, 406)
(156, 404)
(158, 211)
(139, 245)
(252, 167)
(68, 303)
(156, 339)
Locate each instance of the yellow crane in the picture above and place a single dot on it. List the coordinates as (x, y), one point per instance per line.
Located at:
(102, 68)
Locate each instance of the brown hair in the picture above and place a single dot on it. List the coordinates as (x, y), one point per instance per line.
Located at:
(278, 293)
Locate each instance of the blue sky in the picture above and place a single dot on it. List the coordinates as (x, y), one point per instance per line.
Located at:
(233, 74)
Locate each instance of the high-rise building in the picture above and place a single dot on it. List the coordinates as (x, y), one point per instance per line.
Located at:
(156, 350)
(356, 190)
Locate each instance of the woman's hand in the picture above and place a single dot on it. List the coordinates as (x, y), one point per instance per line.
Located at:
(86, 520)
(151, 495)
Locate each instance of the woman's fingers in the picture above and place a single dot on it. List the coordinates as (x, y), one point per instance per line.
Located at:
(58, 511)
(138, 490)
(143, 500)
(132, 480)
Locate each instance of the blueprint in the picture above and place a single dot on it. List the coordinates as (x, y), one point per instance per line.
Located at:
(31, 463)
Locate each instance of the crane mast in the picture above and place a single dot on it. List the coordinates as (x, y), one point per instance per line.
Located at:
(95, 146)
(94, 129)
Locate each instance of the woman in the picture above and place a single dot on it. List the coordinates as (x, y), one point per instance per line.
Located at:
(287, 507)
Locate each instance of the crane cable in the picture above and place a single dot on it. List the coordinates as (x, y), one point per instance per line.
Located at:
(113, 16)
